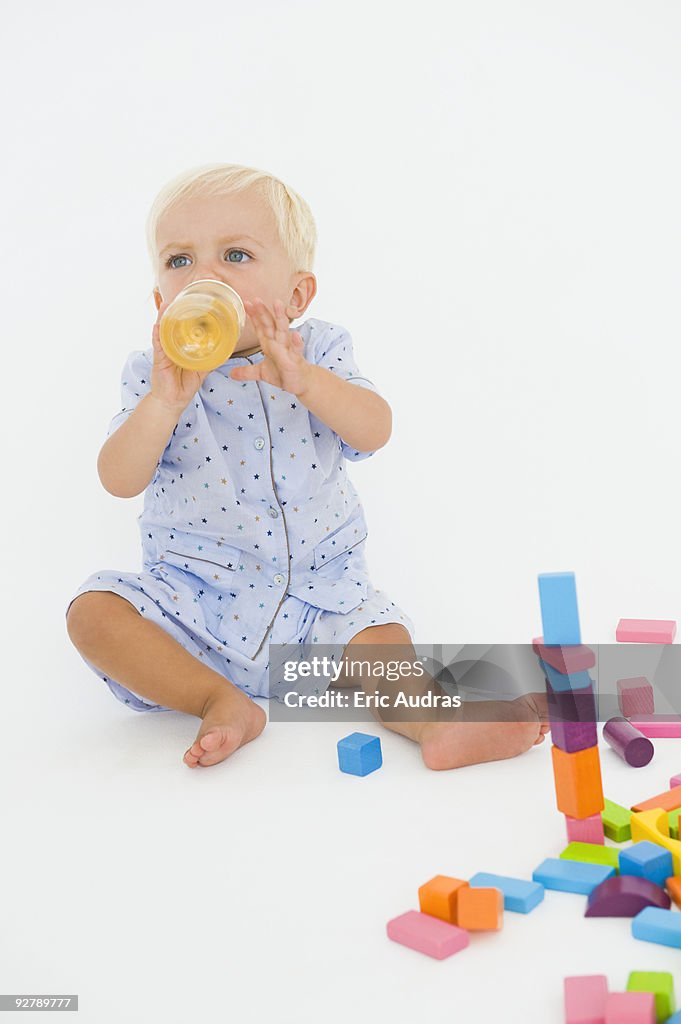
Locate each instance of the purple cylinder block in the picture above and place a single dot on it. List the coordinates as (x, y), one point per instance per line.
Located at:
(626, 740)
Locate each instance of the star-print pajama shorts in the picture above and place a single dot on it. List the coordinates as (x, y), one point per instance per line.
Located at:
(197, 627)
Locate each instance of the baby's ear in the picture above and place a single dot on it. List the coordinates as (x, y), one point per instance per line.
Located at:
(158, 298)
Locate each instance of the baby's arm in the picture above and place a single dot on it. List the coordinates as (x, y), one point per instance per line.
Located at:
(359, 416)
(128, 459)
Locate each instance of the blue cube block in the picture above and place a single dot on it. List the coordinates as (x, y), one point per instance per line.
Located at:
(656, 925)
(675, 1018)
(519, 895)
(559, 615)
(572, 875)
(566, 682)
(359, 753)
(647, 860)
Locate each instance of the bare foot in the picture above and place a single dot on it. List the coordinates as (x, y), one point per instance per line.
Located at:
(230, 719)
(455, 744)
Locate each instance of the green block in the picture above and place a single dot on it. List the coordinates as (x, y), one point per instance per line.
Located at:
(616, 822)
(593, 853)
(673, 818)
(661, 984)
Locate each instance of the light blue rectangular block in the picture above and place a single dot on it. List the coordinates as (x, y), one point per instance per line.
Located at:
(647, 860)
(563, 683)
(519, 895)
(656, 925)
(674, 1019)
(559, 614)
(572, 875)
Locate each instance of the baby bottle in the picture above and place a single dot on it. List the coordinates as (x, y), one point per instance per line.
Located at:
(201, 326)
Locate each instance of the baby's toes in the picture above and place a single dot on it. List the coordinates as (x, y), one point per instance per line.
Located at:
(217, 744)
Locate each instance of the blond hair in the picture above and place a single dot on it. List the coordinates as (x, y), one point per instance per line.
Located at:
(293, 217)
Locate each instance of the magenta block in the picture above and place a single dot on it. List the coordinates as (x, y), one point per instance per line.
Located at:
(645, 631)
(585, 830)
(675, 781)
(567, 659)
(630, 1008)
(625, 896)
(572, 715)
(659, 728)
(585, 998)
(427, 934)
(628, 741)
(635, 697)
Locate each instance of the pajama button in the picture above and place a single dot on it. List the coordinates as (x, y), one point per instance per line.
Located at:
(259, 443)
(279, 579)
(273, 513)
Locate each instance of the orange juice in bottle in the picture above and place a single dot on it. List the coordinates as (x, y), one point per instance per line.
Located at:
(200, 328)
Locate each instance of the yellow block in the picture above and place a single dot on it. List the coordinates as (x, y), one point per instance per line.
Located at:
(654, 826)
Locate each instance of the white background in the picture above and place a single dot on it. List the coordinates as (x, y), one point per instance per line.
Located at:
(496, 190)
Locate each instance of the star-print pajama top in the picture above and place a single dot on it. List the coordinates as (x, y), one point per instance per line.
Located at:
(252, 532)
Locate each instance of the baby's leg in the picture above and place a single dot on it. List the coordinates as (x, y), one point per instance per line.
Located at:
(114, 636)
(502, 729)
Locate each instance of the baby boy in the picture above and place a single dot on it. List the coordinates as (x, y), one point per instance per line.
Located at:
(252, 532)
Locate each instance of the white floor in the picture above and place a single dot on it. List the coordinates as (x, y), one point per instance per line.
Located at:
(260, 889)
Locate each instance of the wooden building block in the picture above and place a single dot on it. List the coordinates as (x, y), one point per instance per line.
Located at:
(625, 896)
(647, 860)
(661, 984)
(635, 697)
(480, 910)
(571, 875)
(520, 895)
(668, 801)
(577, 778)
(628, 742)
(616, 822)
(645, 631)
(654, 826)
(585, 999)
(558, 600)
(659, 726)
(427, 934)
(661, 926)
(592, 853)
(630, 1008)
(438, 897)
(565, 658)
(585, 830)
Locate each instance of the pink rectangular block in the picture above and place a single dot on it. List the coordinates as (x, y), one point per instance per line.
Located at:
(567, 658)
(585, 999)
(675, 781)
(635, 697)
(427, 934)
(659, 728)
(585, 830)
(645, 631)
(630, 1008)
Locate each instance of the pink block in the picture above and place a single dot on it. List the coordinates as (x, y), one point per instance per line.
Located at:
(635, 697)
(645, 631)
(427, 934)
(585, 999)
(566, 659)
(630, 1008)
(675, 781)
(585, 830)
(659, 728)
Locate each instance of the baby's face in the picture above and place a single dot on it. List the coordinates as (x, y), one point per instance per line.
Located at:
(232, 239)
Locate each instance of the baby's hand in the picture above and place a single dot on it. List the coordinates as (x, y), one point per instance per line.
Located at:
(171, 385)
(284, 364)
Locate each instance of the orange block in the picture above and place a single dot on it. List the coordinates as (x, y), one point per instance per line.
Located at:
(439, 897)
(480, 910)
(673, 885)
(577, 777)
(668, 801)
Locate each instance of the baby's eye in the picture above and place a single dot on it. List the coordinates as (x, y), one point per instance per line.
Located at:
(230, 251)
(170, 262)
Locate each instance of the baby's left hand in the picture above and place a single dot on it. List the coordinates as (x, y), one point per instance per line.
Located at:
(284, 365)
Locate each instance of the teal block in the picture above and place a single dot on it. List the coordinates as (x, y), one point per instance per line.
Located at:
(519, 895)
(559, 614)
(571, 875)
(656, 925)
(647, 860)
(359, 753)
(565, 682)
